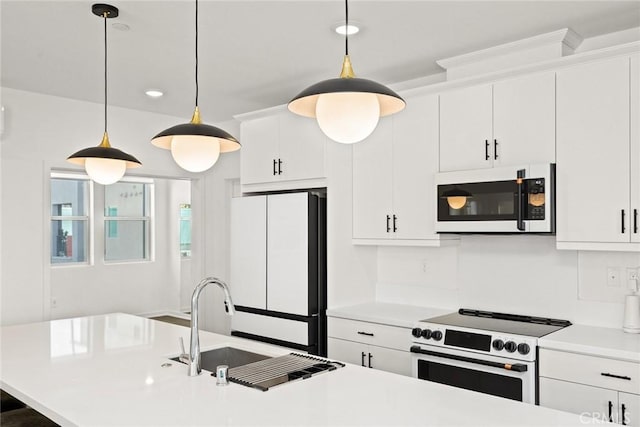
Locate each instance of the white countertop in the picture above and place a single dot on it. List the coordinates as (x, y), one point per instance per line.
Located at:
(401, 315)
(106, 370)
(595, 341)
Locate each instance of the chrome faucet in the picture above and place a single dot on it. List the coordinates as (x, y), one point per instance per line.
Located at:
(194, 350)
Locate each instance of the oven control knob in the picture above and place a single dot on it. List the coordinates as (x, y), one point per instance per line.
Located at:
(416, 332)
(498, 344)
(510, 346)
(523, 348)
(426, 334)
(436, 335)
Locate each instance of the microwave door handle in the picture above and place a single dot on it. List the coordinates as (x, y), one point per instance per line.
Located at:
(520, 207)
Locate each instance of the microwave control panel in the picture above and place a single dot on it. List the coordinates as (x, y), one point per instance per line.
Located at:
(535, 199)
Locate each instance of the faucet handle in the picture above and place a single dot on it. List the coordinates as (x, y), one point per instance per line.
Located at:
(184, 357)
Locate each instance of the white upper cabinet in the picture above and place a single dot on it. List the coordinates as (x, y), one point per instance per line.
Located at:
(465, 128)
(393, 170)
(511, 122)
(281, 150)
(597, 195)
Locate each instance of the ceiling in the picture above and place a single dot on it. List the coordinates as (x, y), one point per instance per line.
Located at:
(257, 54)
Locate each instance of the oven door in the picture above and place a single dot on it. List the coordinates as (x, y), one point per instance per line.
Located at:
(498, 376)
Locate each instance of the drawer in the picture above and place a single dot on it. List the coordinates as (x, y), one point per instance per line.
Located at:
(271, 327)
(370, 333)
(596, 371)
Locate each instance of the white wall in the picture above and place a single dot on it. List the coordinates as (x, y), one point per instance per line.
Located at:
(40, 132)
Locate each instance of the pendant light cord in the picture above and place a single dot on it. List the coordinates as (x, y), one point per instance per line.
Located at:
(346, 32)
(196, 53)
(105, 71)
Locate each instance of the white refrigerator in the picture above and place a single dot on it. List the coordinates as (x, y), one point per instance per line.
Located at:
(278, 269)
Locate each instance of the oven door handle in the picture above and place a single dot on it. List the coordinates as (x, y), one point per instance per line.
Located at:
(517, 367)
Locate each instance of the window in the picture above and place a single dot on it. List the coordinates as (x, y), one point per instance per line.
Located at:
(70, 208)
(127, 225)
(185, 230)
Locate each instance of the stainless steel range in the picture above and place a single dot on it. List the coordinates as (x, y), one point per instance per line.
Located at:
(488, 352)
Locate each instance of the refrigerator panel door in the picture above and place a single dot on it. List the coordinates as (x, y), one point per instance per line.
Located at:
(271, 327)
(288, 253)
(249, 251)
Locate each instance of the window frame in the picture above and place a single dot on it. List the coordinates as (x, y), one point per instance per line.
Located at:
(148, 220)
(89, 218)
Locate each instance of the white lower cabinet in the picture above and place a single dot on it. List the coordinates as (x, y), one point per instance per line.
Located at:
(371, 345)
(590, 386)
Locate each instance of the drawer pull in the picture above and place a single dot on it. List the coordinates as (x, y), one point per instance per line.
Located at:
(620, 377)
(369, 334)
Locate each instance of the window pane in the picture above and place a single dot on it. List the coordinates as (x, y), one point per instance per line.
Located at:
(185, 229)
(69, 197)
(69, 241)
(126, 240)
(126, 199)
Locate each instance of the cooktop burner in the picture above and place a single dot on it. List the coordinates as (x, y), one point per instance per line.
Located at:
(501, 322)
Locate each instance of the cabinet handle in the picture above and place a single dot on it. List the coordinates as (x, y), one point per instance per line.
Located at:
(274, 167)
(610, 409)
(369, 334)
(620, 377)
(363, 355)
(388, 226)
(486, 149)
(279, 167)
(495, 149)
(622, 216)
(623, 420)
(635, 221)
(370, 357)
(395, 218)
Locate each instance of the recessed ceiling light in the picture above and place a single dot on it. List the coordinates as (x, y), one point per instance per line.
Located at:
(154, 93)
(120, 26)
(341, 28)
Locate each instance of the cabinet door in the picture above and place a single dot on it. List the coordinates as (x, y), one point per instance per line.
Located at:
(348, 351)
(386, 359)
(372, 181)
(301, 148)
(635, 146)
(288, 248)
(415, 161)
(629, 409)
(524, 120)
(593, 152)
(249, 251)
(580, 399)
(259, 139)
(465, 129)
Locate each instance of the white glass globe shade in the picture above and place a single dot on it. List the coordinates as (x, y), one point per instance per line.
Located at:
(456, 202)
(195, 153)
(347, 117)
(105, 171)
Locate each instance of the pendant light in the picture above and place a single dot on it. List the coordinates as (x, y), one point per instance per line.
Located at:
(104, 164)
(195, 146)
(456, 197)
(347, 108)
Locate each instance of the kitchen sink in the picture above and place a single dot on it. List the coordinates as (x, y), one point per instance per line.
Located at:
(230, 356)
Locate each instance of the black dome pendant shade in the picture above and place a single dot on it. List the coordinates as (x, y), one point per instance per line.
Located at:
(104, 150)
(305, 102)
(203, 132)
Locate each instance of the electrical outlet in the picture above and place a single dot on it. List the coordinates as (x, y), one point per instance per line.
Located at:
(424, 266)
(632, 278)
(613, 276)
(54, 302)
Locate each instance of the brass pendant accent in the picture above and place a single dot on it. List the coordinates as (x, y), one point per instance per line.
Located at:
(347, 69)
(105, 141)
(196, 116)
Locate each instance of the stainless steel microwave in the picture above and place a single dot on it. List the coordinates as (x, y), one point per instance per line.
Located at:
(497, 200)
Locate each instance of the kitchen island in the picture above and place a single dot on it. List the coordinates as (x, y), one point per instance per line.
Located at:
(111, 370)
